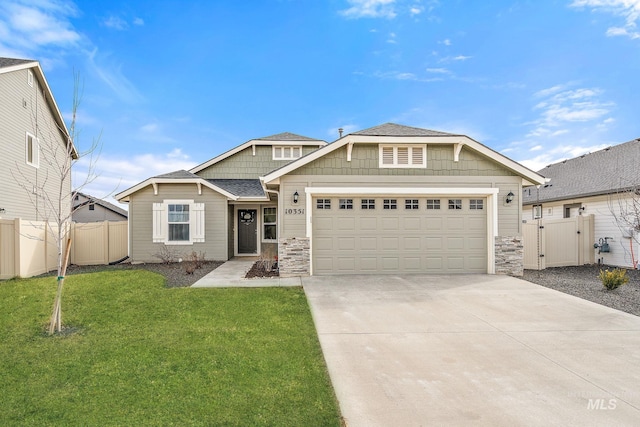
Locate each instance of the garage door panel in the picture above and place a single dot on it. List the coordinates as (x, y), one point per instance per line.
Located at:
(346, 243)
(399, 240)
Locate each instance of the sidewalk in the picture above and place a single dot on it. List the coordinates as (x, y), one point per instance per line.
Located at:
(231, 274)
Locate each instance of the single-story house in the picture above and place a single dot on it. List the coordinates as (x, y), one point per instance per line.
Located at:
(87, 208)
(384, 200)
(604, 183)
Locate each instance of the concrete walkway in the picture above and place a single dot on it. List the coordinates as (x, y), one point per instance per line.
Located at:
(232, 272)
(474, 350)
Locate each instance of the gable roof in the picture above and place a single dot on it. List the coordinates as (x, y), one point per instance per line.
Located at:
(395, 133)
(606, 171)
(247, 188)
(285, 138)
(233, 189)
(392, 129)
(103, 203)
(8, 65)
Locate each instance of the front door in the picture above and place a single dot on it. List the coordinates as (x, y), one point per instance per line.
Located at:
(247, 231)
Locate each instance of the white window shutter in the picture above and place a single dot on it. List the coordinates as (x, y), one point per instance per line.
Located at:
(417, 156)
(159, 223)
(387, 155)
(403, 155)
(197, 223)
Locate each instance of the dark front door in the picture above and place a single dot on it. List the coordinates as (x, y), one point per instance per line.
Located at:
(247, 231)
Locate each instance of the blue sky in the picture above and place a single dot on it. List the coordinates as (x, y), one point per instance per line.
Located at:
(171, 84)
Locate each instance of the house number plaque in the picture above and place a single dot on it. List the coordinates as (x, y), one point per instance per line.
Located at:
(294, 211)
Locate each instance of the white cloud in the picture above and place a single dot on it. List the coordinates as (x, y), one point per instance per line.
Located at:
(415, 10)
(559, 153)
(629, 10)
(138, 21)
(438, 70)
(446, 42)
(536, 148)
(392, 38)
(30, 30)
(116, 23)
(111, 74)
(454, 58)
(561, 105)
(370, 9)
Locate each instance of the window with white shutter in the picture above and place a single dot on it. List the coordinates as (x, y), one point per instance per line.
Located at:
(178, 222)
(403, 156)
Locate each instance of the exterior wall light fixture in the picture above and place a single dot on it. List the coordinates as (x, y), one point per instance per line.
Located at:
(510, 197)
(295, 197)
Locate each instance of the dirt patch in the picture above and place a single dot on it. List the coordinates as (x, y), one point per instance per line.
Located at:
(583, 282)
(174, 273)
(258, 270)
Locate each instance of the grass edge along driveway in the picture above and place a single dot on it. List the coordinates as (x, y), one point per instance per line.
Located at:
(141, 354)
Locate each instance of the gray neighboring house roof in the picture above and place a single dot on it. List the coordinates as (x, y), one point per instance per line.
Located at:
(240, 187)
(103, 203)
(10, 62)
(606, 171)
(393, 129)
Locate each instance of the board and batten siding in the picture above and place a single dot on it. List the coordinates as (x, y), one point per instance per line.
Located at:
(601, 207)
(23, 106)
(142, 248)
(294, 224)
(246, 165)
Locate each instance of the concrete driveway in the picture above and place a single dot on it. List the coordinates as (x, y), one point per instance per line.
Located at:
(474, 350)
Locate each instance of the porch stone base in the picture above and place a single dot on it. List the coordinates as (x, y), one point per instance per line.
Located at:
(509, 255)
(293, 256)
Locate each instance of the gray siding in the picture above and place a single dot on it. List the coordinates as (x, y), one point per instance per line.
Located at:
(244, 165)
(141, 243)
(24, 109)
(364, 161)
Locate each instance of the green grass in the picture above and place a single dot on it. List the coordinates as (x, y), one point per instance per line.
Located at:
(143, 354)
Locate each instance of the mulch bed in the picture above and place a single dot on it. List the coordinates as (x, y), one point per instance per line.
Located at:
(258, 270)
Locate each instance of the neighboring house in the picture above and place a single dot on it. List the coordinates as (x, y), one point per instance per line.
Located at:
(87, 208)
(389, 199)
(32, 136)
(599, 183)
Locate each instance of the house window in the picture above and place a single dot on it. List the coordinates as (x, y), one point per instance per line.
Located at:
(455, 204)
(177, 222)
(411, 204)
(345, 204)
(368, 204)
(323, 203)
(389, 204)
(32, 151)
(283, 152)
(30, 78)
(537, 211)
(269, 224)
(92, 207)
(476, 204)
(403, 156)
(433, 204)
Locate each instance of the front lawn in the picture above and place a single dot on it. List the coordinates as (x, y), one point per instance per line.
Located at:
(137, 353)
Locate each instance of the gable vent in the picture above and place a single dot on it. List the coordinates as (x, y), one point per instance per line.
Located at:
(387, 155)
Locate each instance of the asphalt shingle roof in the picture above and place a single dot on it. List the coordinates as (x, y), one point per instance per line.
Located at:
(393, 129)
(181, 174)
(240, 187)
(601, 172)
(104, 204)
(287, 136)
(10, 62)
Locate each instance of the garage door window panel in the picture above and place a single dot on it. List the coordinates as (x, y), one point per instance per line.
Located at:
(433, 204)
(323, 204)
(410, 204)
(455, 204)
(368, 204)
(476, 204)
(345, 204)
(389, 204)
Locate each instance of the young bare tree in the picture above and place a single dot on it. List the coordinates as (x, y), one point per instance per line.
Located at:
(624, 205)
(51, 194)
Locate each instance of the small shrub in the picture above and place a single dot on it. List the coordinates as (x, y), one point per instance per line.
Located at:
(167, 255)
(613, 279)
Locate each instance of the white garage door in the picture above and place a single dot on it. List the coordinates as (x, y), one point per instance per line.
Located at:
(383, 235)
